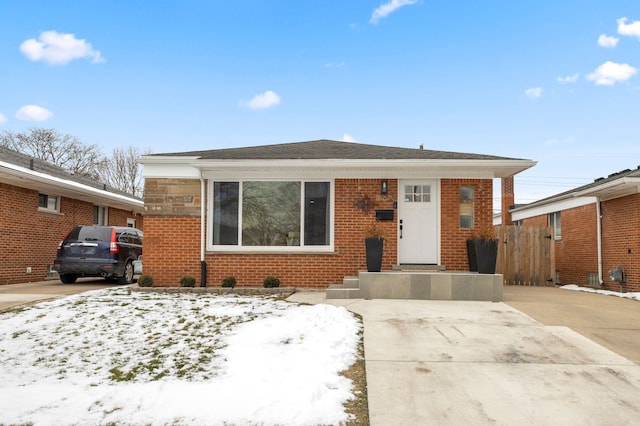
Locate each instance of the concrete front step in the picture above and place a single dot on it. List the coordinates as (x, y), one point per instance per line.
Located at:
(417, 267)
(424, 285)
(351, 282)
(340, 292)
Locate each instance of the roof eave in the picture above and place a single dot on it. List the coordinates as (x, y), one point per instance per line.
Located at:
(345, 167)
(614, 189)
(26, 178)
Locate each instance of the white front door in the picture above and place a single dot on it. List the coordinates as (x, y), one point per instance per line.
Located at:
(418, 221)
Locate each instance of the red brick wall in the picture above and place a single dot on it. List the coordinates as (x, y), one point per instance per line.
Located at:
(576, 252)
(30, 237)
(621, 241)
(172, 243)
(453, 239)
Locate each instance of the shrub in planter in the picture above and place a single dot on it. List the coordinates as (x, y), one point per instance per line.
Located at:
(271, 282)
(187, 282)
(374, 246)
(229, 282)
(145, 281)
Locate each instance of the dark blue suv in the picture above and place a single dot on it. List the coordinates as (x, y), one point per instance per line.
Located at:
(112, 252)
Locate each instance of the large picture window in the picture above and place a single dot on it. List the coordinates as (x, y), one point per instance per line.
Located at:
(255, 214)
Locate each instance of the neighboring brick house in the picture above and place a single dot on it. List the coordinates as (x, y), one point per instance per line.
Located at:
(40, 203)
(596, 230)
(299, 211)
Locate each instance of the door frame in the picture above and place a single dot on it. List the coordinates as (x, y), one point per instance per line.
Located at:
(438, 231)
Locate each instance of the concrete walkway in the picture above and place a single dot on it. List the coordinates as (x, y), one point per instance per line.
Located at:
(481, 363)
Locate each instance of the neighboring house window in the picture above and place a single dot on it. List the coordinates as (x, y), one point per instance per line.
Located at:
(555, 223)
(49, 202)
(271, 214)
(466, 207)
(99, 215)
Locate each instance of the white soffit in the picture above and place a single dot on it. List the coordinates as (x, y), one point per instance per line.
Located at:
(181, 167)
(556, 206)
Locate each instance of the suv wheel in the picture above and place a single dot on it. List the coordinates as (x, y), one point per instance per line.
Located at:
(68, 278)
(127, 277)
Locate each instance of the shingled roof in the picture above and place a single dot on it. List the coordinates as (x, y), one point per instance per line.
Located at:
(588, 189)
(328, 149)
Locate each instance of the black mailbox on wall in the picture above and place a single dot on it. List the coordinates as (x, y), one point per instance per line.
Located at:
(384, 214)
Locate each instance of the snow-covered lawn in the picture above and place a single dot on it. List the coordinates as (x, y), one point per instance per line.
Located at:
(635, 296)
(122, 357)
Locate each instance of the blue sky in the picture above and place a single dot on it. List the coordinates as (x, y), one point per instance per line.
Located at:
(552, 81)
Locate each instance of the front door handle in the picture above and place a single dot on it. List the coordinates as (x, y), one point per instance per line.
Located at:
(400, 228)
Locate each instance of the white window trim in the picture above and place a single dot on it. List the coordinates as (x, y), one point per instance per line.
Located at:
(46, 209)
(106, 214)
(556, 235)
(271, 249)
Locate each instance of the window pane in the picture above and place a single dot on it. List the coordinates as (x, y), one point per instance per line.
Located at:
(42, 201)
(466, 207)
(316, 213)
(52, 202)
(466, 222)
(225, 213)
(271, 213)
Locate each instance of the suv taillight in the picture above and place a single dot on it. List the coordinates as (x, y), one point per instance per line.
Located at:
(113, 247)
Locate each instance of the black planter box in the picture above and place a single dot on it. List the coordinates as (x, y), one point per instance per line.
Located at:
(482, 255)
(374, 248)
(471, 254)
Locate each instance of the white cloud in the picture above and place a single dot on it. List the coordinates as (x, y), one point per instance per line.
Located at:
(33, 113)
(610, 73)
(348, 138)
(568, 79)
(632, 29)
(607, 41)
(385, 9)
(3, 119)
(533, 92)
(262, 101)
(332, 65)
(59, 48)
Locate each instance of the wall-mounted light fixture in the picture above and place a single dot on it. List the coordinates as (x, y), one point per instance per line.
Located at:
(384, 187)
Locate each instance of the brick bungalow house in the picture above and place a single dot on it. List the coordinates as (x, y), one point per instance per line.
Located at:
(596, 231)
(40, 203)
(300, 211)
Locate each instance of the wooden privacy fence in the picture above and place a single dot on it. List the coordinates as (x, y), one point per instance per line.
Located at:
(525, 255)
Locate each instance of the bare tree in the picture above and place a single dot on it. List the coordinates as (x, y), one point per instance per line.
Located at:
(63, 150)
(122, 170)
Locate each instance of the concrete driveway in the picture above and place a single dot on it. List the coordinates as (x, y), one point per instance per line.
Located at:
(14, 295)
(481, 363)
(613, 322)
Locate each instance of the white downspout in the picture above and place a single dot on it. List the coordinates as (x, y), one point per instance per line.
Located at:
(203, 265)
(599, 236)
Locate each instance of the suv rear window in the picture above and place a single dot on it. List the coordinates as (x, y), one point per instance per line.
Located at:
(90, 233)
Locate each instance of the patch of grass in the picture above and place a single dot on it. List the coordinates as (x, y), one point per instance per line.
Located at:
(17, 334)
(357, 373)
